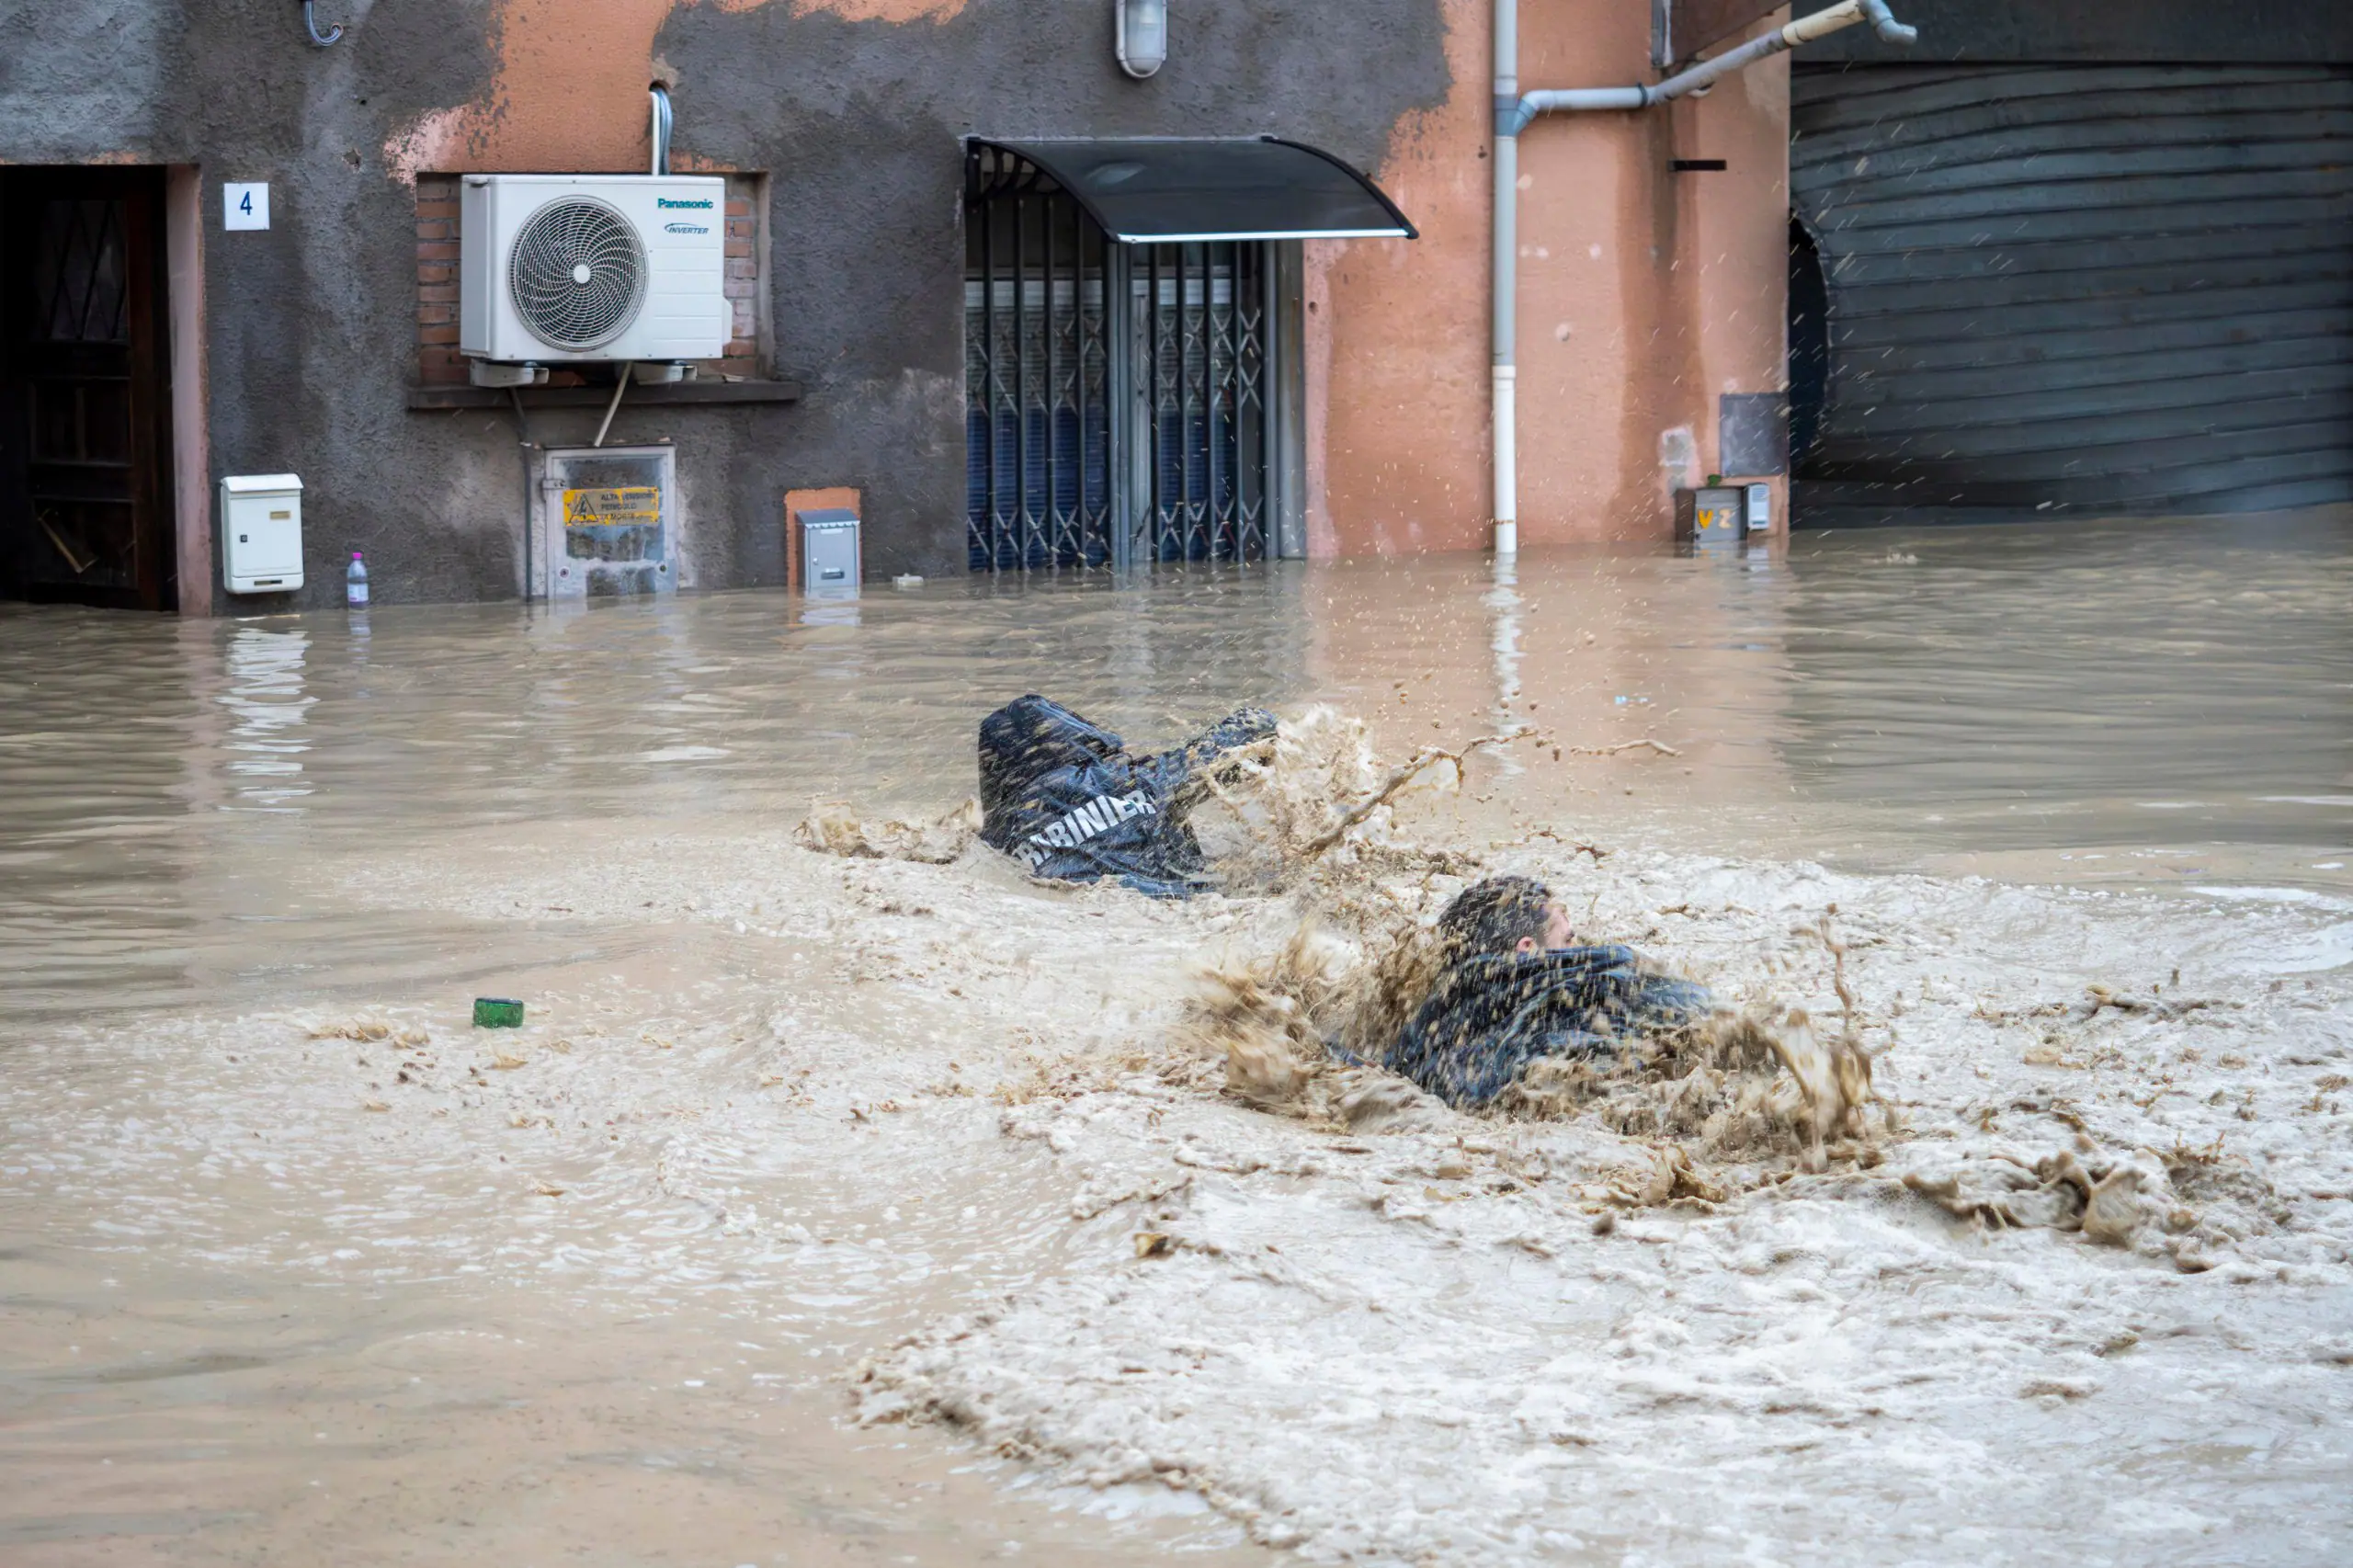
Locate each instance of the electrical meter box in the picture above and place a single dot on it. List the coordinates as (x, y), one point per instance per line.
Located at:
(1711, 515)
(831, 559)
(607, 527)
(1760, 508)
(261, 532)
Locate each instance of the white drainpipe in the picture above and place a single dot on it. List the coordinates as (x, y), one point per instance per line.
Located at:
(1505, 283)
(660, 136)
(1513, 111)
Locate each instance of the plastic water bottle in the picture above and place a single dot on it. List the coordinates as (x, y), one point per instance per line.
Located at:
(354, 583)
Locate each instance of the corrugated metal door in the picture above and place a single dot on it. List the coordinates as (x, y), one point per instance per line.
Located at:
(2098, 289)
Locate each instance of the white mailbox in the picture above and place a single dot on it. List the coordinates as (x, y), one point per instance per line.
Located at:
(261, 532)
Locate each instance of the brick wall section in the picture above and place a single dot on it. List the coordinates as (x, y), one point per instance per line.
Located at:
(742, 275)
(439, 362)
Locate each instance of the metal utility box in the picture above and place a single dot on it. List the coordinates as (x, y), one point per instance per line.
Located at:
(261, 532)
(832, 558)
(607, 525)
(1759, 517)
(1711, 515)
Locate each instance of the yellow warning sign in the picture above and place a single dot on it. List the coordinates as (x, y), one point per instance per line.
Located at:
(623, 507)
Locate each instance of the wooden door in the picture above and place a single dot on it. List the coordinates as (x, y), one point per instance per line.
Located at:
(84, 439)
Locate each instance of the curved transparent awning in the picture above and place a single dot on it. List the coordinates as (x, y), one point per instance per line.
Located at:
(1163, 190)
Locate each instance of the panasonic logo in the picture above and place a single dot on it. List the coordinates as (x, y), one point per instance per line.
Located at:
(665, 201)
(685, 229)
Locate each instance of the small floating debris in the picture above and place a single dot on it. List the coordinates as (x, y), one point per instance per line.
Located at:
(497, 1013)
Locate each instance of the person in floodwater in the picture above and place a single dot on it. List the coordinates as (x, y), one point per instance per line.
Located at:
(1063, 796)
(1514, 990)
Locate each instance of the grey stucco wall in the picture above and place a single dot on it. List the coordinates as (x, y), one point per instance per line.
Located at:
(310, 326)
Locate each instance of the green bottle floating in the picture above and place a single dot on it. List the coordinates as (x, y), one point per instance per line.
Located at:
(497, 1013)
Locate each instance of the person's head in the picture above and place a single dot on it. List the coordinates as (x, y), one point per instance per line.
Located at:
(1504, 915)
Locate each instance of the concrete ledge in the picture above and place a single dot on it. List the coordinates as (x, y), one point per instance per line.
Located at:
(429, 400)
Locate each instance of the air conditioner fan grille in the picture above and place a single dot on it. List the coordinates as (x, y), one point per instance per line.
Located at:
(577, 273)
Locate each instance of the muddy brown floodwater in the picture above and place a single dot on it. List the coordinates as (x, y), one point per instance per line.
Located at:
(295, 1266)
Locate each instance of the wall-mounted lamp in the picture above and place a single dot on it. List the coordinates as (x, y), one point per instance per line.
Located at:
(1140, 35)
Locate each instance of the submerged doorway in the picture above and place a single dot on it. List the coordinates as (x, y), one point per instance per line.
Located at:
(86, 513)
(1809, 341)
(1121, 400)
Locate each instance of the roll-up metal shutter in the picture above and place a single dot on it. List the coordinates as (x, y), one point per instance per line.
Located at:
(2087, 289)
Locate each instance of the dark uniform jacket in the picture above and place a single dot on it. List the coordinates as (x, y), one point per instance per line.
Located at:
(1063, 796)
(1491, 1013)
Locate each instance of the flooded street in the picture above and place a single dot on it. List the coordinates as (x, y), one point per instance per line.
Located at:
(2138, 702)
(300, 1268)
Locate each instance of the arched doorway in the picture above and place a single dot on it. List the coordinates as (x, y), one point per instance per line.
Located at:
(1809, 341)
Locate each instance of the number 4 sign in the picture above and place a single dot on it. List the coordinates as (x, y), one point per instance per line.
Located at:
(244, 206)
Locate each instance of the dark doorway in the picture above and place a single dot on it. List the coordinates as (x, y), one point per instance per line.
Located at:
(84, 389)
(1809, 346)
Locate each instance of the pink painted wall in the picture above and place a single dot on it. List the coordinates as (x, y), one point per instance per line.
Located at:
(1643, 295)
(562, 64)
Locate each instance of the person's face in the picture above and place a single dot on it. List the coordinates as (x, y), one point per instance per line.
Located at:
(1556, 929)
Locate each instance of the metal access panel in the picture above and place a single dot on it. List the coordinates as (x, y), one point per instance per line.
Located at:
(831, 562)
(608, 523)
(1753, 434)
(1712, 515)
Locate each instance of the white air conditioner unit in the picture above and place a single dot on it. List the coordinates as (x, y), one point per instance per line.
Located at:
(559, 270)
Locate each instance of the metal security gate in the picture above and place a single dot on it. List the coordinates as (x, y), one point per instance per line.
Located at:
(1117, 397)
(1037, 382)
(1200, 324)
(2090, 288)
